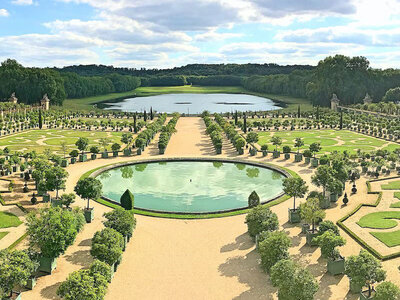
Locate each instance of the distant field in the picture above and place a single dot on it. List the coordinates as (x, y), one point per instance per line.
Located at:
(330, 140)
(39, 140)
(87, 103)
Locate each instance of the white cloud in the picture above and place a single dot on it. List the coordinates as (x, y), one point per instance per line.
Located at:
(212, 35)
(22, 2)
(4, 12)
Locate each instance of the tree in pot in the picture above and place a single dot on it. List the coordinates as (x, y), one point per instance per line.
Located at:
(387, 291)
(276, 141)
(293, 281)
(40, 166)
(363, 270)
(273, 248)
(104, 142)
(51, 231)
(328, 242)
(115, 148)
(88, 188)
(122, 221)
(74, 154)
(314, 149)
(139, 144)
(55, 179)
(322, 177)
(94, 150)
(15, 269)
(294, 187)
(261, 219)
(252, 137)
(264, 149)
(239, 144)
(253, 199)
(82, 144)
(311, 212)
(298, 144)
(286, 151)
(67, 199)
(127, 138)
(107, 246)
(334, 187)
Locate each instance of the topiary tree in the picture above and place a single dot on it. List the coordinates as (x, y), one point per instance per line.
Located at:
(55, 179)
(387, 291)
(328, 225)
(295, 187)
(253, 199)
(261, 219)
(127, 138)
(328, 241)
(51, 230)
(15, 269)
(273, 248)
(107, 245)
(293, 281)
(83, 285)
(311, 212)
(115, 147)
(82, 143)
(252, 137)
(99, 267)
(315, 148)
(88, 188)
(67, 199)
(121, 220)
(323, 177)
(276, 141)
(127, 200)
(298, 144)
(364, 269)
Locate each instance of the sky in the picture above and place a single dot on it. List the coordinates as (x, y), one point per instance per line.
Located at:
(169, 33)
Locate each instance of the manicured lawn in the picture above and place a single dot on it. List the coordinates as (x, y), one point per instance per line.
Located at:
(3, 234)
(39, 140)
(380, 220)
(394, 185)
(330, 140)
(390, 239)
(396, 204)
(87, 103)
(9, 220)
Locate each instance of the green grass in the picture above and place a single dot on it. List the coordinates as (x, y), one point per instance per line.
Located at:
(390, 239)
(3, 234)
(394, 185)
(330, 140)
(87, 103)
(51, 139)
(190, 216)
(9, 220)
(396, 204)
(380, 220)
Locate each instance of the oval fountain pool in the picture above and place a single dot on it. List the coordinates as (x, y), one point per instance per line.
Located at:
(191, 186)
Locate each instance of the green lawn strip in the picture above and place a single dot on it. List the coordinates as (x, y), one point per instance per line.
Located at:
(191, 216)
(394, 185)
(390, 239)
(3, 234)
(380, 220)
(9, 220)
(396, 204)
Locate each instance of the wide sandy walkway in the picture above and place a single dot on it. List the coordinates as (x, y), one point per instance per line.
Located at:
(200, 259)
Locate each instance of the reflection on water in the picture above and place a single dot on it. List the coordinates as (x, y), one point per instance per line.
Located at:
(191, 186)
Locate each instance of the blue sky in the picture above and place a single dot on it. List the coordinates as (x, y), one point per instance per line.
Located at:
(168, 33)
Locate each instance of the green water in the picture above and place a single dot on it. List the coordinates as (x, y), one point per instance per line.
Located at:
(191, 186)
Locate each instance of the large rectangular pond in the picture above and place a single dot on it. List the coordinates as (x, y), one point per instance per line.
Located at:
(191, 186)
(195, 103)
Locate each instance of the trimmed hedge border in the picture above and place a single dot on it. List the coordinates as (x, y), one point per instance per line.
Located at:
(104, 201)
(360, 241)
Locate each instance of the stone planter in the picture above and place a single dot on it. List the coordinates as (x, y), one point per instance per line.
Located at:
(15, 168)
(307, 160)
(276, 154)
(73, 160)
(364, 169)
(161, 150)
(30, 284)
(56, 202)
(253, 152)
(115, 153)
(310, 236)
(104, 154)
(294, 215)
(219, 150)
(47, 264)
(89, 214)
(305, 228)
(82, 157)
(139, 151)
(287, 156)
(264, 153)
(336, 267)
(325, 203)
(333, 197)
(355, 287)
(314, 162)
(93, 156)
(15, 296)
(364, 295)
(240, 151)
(46, 198)
(64, 163)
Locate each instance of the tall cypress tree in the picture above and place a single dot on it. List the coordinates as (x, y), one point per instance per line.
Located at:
(298, 111)
(341, 119)
(236, 117)
(151, 113)
(317, 113)
(40, 119)
(145, 116)
(244, 124)
(134, 123)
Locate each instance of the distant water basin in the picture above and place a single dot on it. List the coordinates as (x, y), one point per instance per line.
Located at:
(195, 103)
